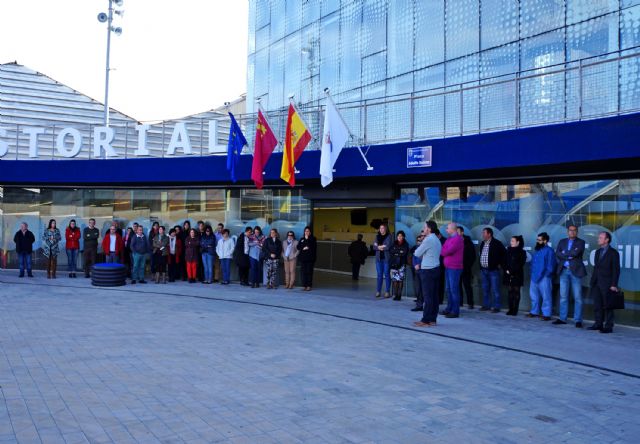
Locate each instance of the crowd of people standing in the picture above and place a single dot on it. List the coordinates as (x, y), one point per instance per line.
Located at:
(440, 266)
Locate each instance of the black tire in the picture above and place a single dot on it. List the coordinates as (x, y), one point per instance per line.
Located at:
(113, 276)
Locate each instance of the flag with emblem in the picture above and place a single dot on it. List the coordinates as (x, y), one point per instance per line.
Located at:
(265, 143)
(296, 139)
(234, 147)
(334, 137)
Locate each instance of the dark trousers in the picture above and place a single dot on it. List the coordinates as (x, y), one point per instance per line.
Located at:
(441, 285)
(183, 267)
(154, 263)
(173, 269)
(243, 274)
(307, 274)
(514, 300)
(417, 287)
(465, 284)
(355, 271)
(89, 259)
(200, 271)
(604, 318)
(430, 281)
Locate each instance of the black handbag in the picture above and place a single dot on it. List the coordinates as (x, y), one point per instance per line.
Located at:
(614, 300)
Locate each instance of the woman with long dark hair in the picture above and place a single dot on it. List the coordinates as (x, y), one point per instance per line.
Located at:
(513, 277)
(399, 253)
(191, 254)
(72, 237)
(273, 250)
(50, 248)
(307, 247)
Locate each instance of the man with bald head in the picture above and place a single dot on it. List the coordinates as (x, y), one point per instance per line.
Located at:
(453, 254)
(24, 240)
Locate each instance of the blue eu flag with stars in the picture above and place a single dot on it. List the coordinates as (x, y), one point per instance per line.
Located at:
(234, 148)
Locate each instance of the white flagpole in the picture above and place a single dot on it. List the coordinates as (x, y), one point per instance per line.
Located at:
(326, 91)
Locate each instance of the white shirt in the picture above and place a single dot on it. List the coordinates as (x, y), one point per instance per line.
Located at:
(112, 243)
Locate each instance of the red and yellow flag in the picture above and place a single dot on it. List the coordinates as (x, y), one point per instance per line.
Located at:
(296, 139)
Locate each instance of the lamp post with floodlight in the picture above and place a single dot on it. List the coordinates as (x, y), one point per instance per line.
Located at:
(108, 18)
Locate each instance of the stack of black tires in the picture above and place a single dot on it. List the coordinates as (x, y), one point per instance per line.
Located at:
(108, 275)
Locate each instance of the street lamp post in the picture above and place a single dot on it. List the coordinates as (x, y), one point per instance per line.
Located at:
(108, 18)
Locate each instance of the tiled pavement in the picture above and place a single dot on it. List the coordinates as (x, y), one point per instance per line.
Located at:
(155, 364)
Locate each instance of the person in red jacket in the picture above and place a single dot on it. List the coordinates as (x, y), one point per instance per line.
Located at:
(72, 236)
(175, 254)
(113, 245)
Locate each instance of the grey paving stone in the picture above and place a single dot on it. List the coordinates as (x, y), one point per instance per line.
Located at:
(152, 364)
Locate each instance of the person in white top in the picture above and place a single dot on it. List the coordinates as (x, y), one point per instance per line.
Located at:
(224, 250)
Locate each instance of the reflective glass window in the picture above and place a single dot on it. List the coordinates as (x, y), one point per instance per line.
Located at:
(429, 33)
(462, 28)
(498, 22)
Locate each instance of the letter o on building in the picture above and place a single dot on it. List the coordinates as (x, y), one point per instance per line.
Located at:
(77, 142)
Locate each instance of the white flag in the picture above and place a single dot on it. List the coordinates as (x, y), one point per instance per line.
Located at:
(334, 137)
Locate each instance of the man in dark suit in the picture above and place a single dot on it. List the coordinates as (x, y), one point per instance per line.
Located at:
(358, 253)
(604, 279)
(571, 270)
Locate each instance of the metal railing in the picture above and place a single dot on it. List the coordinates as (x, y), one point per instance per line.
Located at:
(585, 89)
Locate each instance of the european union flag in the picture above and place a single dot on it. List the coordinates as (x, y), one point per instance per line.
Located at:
(234, 148)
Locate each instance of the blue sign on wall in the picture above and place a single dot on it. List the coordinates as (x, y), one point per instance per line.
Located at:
(419, 157)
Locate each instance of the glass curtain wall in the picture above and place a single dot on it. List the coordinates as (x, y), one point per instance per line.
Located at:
(366, 49)
(528, 209)
(235, 208)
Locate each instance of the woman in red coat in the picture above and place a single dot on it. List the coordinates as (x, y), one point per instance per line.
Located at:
(72, 236)
(191, 254)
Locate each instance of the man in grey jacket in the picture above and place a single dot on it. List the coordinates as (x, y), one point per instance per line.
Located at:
(571, 270)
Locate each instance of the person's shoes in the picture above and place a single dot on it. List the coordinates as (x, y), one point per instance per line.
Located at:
(70, 275)
(142, 281)
(377, 293)
(606, 330)
(578, 324)
(87, 276)
(531, 315)
(397, 298)
(74, 275)
(387, 295)
(215, 281)
(416, 309)
(495, 310)
(444, 312)
(484, 309)
(30, 275)
(423, 324)
(595, 327)
(558, 322)
(133, 281)
(21, 275)
(545, 318)
(451, 316)
(470, 307)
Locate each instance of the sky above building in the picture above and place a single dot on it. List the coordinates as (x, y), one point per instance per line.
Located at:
(174, 58)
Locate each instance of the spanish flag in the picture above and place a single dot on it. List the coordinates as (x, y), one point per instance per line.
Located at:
(296, 139)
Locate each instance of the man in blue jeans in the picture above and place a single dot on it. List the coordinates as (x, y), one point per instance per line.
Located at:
(543, 266)
(429, 272)
(24, 240)
(571, 271)
(492, 253)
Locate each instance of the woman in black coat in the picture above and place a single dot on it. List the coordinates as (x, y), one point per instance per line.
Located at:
(272, 248)
(307, 247)
(513, 277)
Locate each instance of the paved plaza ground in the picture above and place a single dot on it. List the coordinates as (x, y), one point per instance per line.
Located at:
(206, 363)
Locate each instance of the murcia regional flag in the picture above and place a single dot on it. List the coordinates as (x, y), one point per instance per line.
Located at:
(334, 137)
(296, 139)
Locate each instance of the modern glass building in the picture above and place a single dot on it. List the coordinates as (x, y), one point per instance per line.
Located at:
(519, 115)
